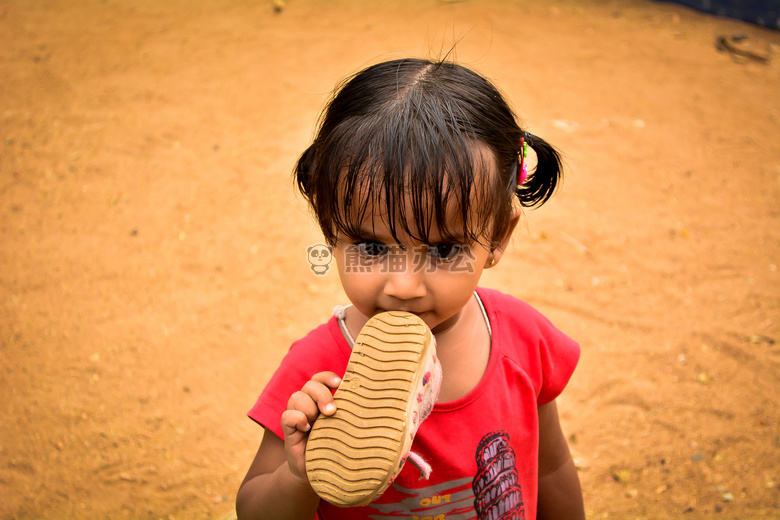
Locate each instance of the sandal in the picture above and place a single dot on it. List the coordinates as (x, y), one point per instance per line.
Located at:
(390, 386)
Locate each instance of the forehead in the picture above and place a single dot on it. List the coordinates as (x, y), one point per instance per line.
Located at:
(421, 206)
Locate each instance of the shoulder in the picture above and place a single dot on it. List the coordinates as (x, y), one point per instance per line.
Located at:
(502, 307)
(322, 349)
(322, 343)
(514, 320)
(524, 337)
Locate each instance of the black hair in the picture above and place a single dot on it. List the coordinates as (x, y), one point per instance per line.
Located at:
(412, 138)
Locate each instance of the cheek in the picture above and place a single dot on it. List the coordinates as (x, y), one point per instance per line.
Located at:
(358, 286)
(452, 288)
(360, 293)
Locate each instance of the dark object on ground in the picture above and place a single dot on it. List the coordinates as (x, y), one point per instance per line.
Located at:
(731, 45)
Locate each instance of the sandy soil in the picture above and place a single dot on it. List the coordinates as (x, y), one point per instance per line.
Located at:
(153, 268)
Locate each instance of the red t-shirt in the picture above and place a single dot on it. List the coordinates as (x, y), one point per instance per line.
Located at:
(483, 447)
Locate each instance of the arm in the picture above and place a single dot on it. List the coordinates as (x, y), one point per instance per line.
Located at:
(276, 486)
(270, 490)
(560, 495)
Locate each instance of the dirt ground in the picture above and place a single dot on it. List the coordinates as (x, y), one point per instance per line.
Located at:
(152, 252)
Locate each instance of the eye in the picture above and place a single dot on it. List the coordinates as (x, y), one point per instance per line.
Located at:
(444, 251)
(372, 249)
(324, 253)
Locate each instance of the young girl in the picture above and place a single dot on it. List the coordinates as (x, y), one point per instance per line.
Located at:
(417, 177)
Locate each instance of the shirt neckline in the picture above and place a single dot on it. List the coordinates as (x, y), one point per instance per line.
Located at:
(474, 393)
(339, 311)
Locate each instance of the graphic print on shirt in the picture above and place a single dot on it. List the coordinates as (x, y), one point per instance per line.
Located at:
(497, 494)
(494, 493)
(451, 500)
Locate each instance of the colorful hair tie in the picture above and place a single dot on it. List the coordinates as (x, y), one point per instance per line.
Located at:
(522, 173)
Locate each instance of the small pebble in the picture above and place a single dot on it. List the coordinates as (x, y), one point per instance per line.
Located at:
(623, 476)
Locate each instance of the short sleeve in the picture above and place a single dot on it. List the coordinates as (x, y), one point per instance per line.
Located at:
(558, 357)
(319, 351)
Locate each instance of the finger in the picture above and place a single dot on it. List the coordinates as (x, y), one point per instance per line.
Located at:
(303, 402)
(329, 379)
(321, 396)
(294, 422)
(295, 427)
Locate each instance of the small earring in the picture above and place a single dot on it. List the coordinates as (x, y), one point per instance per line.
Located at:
(492, 262)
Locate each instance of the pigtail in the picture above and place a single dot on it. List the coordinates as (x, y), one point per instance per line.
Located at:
(540, 185)
(302, 174)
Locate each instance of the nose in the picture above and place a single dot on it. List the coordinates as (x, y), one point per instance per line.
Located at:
(405, 280)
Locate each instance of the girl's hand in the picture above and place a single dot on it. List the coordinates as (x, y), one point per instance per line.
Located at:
(303, 408)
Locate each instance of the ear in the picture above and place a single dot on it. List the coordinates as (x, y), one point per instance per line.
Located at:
(503, 243)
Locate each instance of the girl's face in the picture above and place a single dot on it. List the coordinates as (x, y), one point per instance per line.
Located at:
(434, 281)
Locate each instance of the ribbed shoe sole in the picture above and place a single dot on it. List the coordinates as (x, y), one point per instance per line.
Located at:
(353, 455)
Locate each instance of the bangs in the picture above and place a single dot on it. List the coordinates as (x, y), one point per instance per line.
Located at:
(417, 178)
(430, 149)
